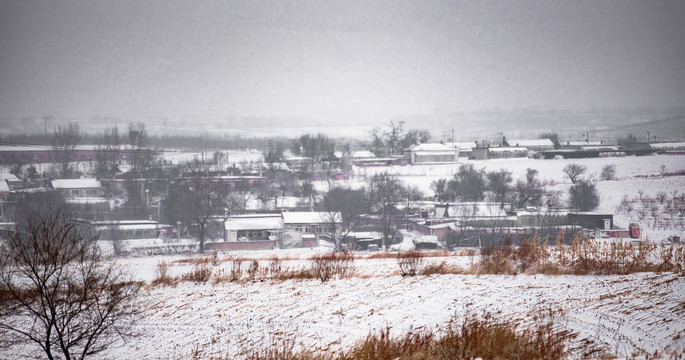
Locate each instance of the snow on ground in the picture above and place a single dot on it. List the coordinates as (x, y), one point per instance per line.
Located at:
(623, 313)
(550, 172)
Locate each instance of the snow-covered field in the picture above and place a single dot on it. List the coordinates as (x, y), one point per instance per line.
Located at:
(624, 314)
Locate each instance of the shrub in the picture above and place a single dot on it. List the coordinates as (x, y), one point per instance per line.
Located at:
(583, 196)
(328, 265)
(608, 172)
(441, 268)
(409, 262)
(236, 269)
(162, 275)
(253, 270)
(200, 273)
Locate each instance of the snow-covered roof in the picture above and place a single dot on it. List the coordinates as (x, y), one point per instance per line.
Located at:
(4, 188)
(583, 143)
(362, 154)
(530, 142)
(128, 227)
(365, 235)
(254, 222)
(424, 239)
(125, 222)
(507, 148)
(600, 147)
(88, 200)
(472, 209)
(299, 217)
(446, 153)
(75, 183)
(8, 177)
(6, 148)
(432, 147)
(668, 145)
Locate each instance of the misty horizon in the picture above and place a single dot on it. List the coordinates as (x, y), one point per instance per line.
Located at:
(270, 67)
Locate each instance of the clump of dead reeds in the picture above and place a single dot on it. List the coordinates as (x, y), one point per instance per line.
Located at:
(340, 264)
(410, 262)
(162, 276)
(200, 273)
(473, 337)
(584, 256)
(441, 268)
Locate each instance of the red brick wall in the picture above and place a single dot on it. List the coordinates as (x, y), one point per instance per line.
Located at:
(241, 245)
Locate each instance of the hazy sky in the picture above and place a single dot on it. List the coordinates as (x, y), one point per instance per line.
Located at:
(359, 61)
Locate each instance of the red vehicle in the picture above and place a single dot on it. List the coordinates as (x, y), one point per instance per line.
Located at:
(634, 230)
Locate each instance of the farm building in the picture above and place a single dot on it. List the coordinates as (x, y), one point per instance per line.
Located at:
(78, 188)
(499, 152)
(316, 223)
(431, 153)
(530, 144)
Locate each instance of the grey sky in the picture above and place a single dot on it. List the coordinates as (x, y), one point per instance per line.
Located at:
(357, 61)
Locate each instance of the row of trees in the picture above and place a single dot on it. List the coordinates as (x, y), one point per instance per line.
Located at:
(471, 184)
(394, 139)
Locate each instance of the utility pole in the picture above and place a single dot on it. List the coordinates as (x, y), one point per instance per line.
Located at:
(45, 127)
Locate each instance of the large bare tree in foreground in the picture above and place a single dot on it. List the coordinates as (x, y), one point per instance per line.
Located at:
(57, 291)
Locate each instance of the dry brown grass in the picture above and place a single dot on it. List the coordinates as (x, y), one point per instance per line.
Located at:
(162, 275)
(441, 268)
(410, 262)
(470, 338)
(340, 264)
(583, 257)
(392, 255)
(199, 274)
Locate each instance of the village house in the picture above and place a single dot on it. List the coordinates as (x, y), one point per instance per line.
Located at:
(84, 196)
(530, 144)
(78, 188)
(431, 154)
(499, 152)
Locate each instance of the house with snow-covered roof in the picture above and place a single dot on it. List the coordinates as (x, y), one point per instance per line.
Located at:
(75, 188)
(312, 222)
(530, 144)
(431, 154)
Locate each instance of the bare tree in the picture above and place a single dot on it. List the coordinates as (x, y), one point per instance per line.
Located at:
(108, 149)
(529, 191)
(377, 143)
(200, 200)
(468, 184)
(138, 142)
(393, 136)
(441, 190)
(498, 184)
(574, 171)
(386, 192)
(345, 207)
(64, 142)
(59, 293)
(662, 170)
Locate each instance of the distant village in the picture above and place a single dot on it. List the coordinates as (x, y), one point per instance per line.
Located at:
(305, 192)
